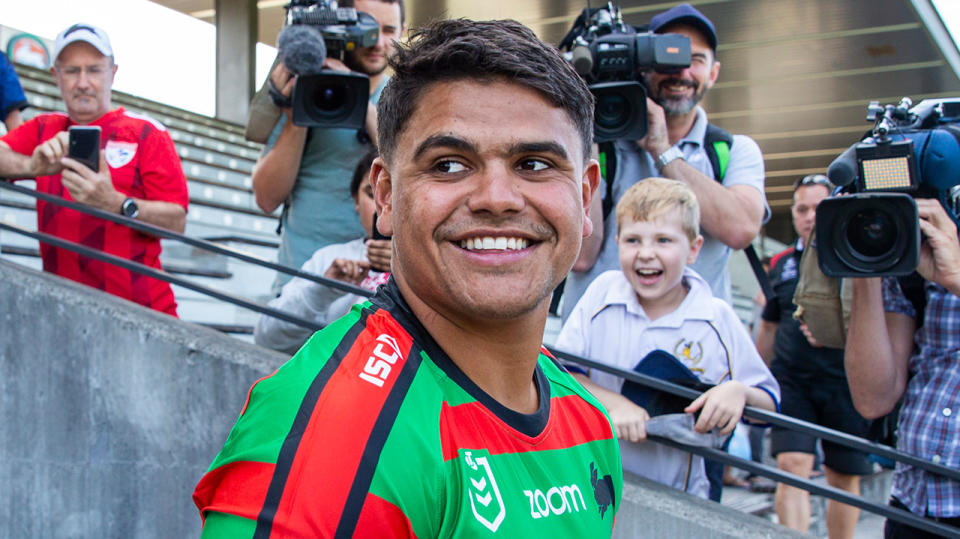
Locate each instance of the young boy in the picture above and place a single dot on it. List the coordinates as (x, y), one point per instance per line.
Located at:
(657, 303)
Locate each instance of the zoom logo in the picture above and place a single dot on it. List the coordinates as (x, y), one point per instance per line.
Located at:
(555, 501)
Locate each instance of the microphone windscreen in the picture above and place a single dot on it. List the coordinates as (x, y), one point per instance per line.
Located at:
(302, 49)
(843, 170)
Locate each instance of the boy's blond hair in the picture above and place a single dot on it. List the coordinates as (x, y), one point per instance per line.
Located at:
(653, 198)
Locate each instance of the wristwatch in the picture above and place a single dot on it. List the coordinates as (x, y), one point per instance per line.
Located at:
(668, 157)
(129, 208)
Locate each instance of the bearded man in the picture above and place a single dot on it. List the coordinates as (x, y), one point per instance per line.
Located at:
(732, 202)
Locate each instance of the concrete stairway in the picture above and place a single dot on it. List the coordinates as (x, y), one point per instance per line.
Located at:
(217, 162)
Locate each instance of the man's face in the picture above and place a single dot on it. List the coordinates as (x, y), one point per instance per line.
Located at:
(484, 196)
(84, 77)
(804, 208)
(373, 60)
(679, 93)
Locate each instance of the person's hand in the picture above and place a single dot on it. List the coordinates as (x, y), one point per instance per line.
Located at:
(335, 65)
(89, 187)
(721, 406)
(283, 79)
(656, 141)
(45, 160)
(348, 271)
(940, 251)
(629, 420)
(809, 335)
(379, 253)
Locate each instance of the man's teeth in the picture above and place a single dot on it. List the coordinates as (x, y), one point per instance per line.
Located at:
(501, 243)
(649, 273)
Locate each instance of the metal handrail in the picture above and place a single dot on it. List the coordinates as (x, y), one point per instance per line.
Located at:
(649, 381)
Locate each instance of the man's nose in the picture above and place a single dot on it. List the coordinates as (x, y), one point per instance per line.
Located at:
(497, 191)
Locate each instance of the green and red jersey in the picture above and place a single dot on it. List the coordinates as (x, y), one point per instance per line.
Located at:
(372, 431)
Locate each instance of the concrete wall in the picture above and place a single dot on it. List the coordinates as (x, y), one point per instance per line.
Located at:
(653, 510)
(112, 412)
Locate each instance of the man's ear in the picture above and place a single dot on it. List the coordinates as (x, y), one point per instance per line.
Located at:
(714, 73)
(589, 185)
(382, 184)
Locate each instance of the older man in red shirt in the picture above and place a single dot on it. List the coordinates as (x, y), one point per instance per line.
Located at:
(139, 174)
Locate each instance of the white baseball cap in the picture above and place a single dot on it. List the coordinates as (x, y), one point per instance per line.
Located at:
(82, 32)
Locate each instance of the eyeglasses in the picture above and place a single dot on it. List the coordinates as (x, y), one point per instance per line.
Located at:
(814, 179)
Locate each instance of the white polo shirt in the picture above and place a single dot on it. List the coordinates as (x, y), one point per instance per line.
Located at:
(609, 325)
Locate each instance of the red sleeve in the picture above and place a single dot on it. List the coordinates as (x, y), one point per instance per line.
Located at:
(161, 172)
(26, 137)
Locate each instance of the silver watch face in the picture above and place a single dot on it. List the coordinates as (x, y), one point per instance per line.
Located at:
(130, 208)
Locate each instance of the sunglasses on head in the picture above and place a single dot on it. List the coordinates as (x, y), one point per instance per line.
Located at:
(814, 179)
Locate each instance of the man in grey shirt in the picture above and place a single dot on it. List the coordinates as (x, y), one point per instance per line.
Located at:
(732, 211)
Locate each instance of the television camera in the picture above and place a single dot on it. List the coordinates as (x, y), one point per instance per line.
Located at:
(872, 228)
(611, 56)
(315, 30)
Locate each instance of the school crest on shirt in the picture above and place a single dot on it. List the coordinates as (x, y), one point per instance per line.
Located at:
(690, 352)
(119, 153)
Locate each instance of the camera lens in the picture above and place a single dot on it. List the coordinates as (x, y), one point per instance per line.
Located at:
(330, 99)
(872, 233)
(613, 111)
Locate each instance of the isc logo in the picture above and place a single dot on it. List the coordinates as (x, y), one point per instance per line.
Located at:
(381, 361)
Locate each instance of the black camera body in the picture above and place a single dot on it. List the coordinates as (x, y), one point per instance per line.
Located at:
(611, 56)
(322, 97)
(873, 229)
(343, 28)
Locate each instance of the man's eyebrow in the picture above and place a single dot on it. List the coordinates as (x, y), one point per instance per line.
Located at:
(699, 55)
(444, 141)
(539, 147)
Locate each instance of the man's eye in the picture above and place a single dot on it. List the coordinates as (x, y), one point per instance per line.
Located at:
(535, 165)
(450, 167)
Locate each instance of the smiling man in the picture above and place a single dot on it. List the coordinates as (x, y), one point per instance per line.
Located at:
(139, 174)
(432, 410)
(730, 193)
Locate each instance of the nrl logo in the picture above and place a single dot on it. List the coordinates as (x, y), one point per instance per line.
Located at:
(485, 499)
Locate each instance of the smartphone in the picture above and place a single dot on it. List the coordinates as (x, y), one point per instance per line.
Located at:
(85, 145)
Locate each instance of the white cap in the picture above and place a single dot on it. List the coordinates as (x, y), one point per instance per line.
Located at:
(82, 32)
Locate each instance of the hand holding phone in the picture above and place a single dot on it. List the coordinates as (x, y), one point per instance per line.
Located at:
(84, 145)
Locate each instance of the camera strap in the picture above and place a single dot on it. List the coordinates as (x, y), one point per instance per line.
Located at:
(716, 143)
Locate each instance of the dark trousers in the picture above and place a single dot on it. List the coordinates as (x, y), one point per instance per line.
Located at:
(898, 530)
(714, 471)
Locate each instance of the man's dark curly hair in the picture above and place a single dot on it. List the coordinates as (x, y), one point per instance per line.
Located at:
(450, 50)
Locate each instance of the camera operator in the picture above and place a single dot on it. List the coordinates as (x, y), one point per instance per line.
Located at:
(674, 147)
(890, 353)
(305, 167)
(812, 381)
